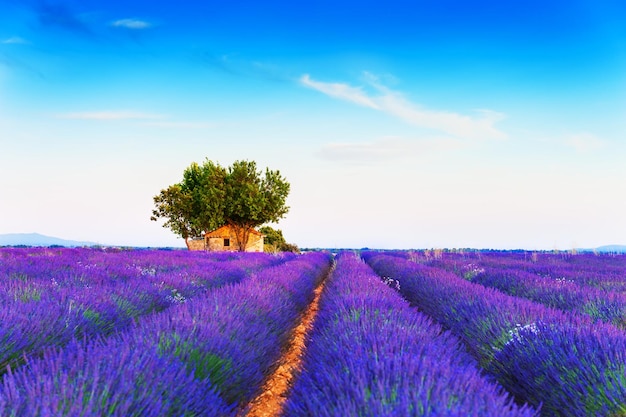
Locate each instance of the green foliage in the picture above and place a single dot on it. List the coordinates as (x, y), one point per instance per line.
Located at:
(127, 307)
(203, 364)
(98, 321)
(210, 196)
(273, 236)
(253, 198)
(176, 206)
(275, 241)
(27, 294)
(205, 187)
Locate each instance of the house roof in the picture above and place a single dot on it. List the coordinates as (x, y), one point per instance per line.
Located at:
(224, 232)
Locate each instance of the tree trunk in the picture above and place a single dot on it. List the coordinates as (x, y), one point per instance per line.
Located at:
(242, 234)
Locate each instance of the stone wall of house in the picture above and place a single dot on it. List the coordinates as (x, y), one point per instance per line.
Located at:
(196, 244)
(255, 243)
(216, 244)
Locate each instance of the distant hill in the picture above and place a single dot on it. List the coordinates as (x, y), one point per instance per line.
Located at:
(612, 249)
(604, 249)
(35, 239)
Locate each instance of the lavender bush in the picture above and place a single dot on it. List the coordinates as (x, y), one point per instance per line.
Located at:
(207, 356)
(607, 306)
(49, 296)
(566, 362)
(117, 377)
(370, 354)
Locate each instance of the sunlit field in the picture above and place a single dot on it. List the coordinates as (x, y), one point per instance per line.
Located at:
(110, 332)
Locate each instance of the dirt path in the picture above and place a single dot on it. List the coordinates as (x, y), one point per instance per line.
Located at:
(270, 402)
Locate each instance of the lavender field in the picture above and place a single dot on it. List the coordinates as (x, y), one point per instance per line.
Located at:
(94, 332)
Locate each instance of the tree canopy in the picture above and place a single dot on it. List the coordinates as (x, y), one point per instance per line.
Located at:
(210, 196)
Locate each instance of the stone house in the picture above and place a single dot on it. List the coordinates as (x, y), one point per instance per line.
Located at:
(224, 239)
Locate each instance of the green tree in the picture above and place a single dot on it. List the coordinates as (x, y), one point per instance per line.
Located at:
(176, 207)
(210, 196)
(205, 186)
(275, 241)
(253, 198)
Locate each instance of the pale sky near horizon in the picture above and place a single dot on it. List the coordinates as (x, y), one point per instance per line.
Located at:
(399, 124)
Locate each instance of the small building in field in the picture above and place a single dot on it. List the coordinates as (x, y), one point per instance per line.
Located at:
(224, 239)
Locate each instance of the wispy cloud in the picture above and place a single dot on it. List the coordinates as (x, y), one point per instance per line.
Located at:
(395, 104)
(140, 118)
(16, 40)
(181, 125)
(386, 149)
(131, 24)
(341, 91)
(110, 115)
(584, 142)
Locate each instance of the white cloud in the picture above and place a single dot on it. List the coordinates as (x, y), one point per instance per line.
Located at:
(181, 125)
(386, 148)
(142, 119)
(16, 40)
(131, 24)
(584, 142)
(394, 103)
(340, 91)
(109, 115)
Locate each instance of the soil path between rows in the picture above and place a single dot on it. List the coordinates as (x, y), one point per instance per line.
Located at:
(273, 395)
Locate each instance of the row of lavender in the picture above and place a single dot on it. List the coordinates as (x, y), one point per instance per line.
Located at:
(606, 306)
(49, 296)
(371, 354)
(568, 363)
(602, 271)
(207, 356)
(593, 285)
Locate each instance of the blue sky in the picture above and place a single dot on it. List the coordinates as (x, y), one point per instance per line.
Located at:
(403, 124)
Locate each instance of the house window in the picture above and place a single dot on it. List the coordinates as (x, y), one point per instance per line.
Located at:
(226, 242)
